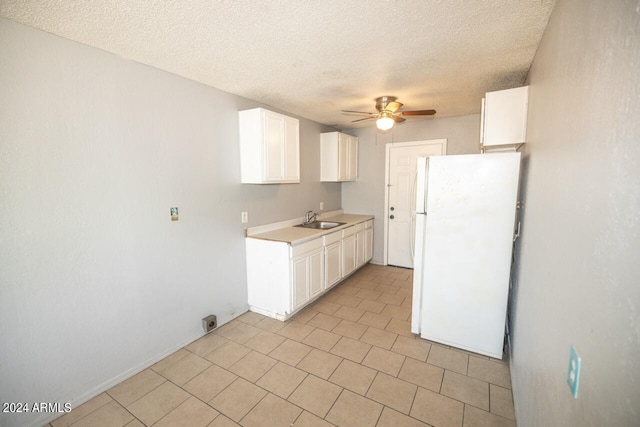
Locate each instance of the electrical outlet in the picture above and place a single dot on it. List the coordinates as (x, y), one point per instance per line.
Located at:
(321, 205)
(245, 217)
(573, 374)
(209, 323)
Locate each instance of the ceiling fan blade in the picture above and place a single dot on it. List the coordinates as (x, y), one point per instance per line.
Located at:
(359, 112)
(359, 120)
(393, 106)
(418, 113)
(398, 119)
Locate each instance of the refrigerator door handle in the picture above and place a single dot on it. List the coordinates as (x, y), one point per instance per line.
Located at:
(421, 187)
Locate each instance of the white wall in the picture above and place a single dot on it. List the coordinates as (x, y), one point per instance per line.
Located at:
(366, 195)
(96, 282)
(578, 273)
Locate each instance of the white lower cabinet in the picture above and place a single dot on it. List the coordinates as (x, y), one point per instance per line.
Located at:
(281, 279)
(368, 241)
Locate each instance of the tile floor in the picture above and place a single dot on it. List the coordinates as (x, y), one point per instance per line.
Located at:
(347, 360)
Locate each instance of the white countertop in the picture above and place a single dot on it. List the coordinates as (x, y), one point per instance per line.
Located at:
(296, 235)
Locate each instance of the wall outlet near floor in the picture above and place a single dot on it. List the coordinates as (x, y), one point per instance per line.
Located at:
(245, 217)
(573, 374)
(209, 323)
(321, 205)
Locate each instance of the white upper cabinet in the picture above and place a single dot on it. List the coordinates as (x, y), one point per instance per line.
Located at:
(504, 117)
(338, 157)
(269, 147)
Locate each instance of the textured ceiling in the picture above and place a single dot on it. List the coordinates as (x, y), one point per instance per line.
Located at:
(314, 58)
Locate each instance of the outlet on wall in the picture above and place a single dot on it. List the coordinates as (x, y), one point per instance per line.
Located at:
(573, 374)
(245, 217)
(321, 205)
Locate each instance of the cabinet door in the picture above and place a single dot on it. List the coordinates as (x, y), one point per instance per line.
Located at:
(505, 116)
(353, 158)
(332, 264)
(343, 157)
(300, 281)
(360, 248)
(368, 244)
(316, 284)
(274, 136)
(348, 254)
(291, 144)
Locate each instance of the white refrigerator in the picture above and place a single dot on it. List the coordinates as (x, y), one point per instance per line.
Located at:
(465, 215)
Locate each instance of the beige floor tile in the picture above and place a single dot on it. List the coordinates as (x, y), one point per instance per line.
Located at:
(206, 344)
(400, 327)
(368, 294)
(241, 333)
(291, 352)
(416, 349)
(227, 354)
(134, 423)
(407, 303)
(222, 421)
(391, 418)
(396, 312)
(82, 410)
(474, 417)
(392, 392)
(307, 419)
(349, 301)
(448, 359)
(379, 321)
(110, 415)
(379, 338)
(400, 275)
(349, 313)
(331, 296)
(351, 349)
(391, 299)
(170, 359)
(135, 387)
(437, 410)
(372, 306)
(303, 316)
(251, 318)
(265, 342)
(326, 307)
(253, 366)
(492, 372)
(384, 361)
(315, 395)
(354, 411)
(387, 288)
(405, 292)
(282, 379)
(321, 339)
(382, 280)
(345, 288)
(422, 374)
(367, 284)
(185, 369)
(238, 399)
(296, 331)
(353, 376)
(350, 329)
(271, 411)
(466, 389)
(501, 401)
(270, 325)
(320, 363)
(209, 383)
(158, 403)
(191, 413)
(324, 321)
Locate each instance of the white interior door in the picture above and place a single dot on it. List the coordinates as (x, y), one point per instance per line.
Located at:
(402, 159)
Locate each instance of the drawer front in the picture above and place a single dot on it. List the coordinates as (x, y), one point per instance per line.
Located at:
(349, 231)
(368, 224)
(332, 238)
(359, 227)
(305, 247)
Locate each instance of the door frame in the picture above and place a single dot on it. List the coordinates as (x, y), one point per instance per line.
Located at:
(443, 151)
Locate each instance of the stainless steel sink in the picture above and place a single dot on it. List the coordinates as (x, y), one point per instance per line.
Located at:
(321, 225)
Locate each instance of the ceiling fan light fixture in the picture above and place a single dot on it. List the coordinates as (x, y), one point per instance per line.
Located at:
(385, 121)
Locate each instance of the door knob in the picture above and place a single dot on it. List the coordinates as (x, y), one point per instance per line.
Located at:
(391, 217)
(392, 208)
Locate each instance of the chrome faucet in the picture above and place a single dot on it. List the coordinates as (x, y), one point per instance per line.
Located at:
(310, 217)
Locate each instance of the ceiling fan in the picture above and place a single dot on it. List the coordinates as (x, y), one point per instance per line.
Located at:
(388, 113)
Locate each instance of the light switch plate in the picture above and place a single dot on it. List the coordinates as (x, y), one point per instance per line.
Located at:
(245, 217)
(573, 374)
